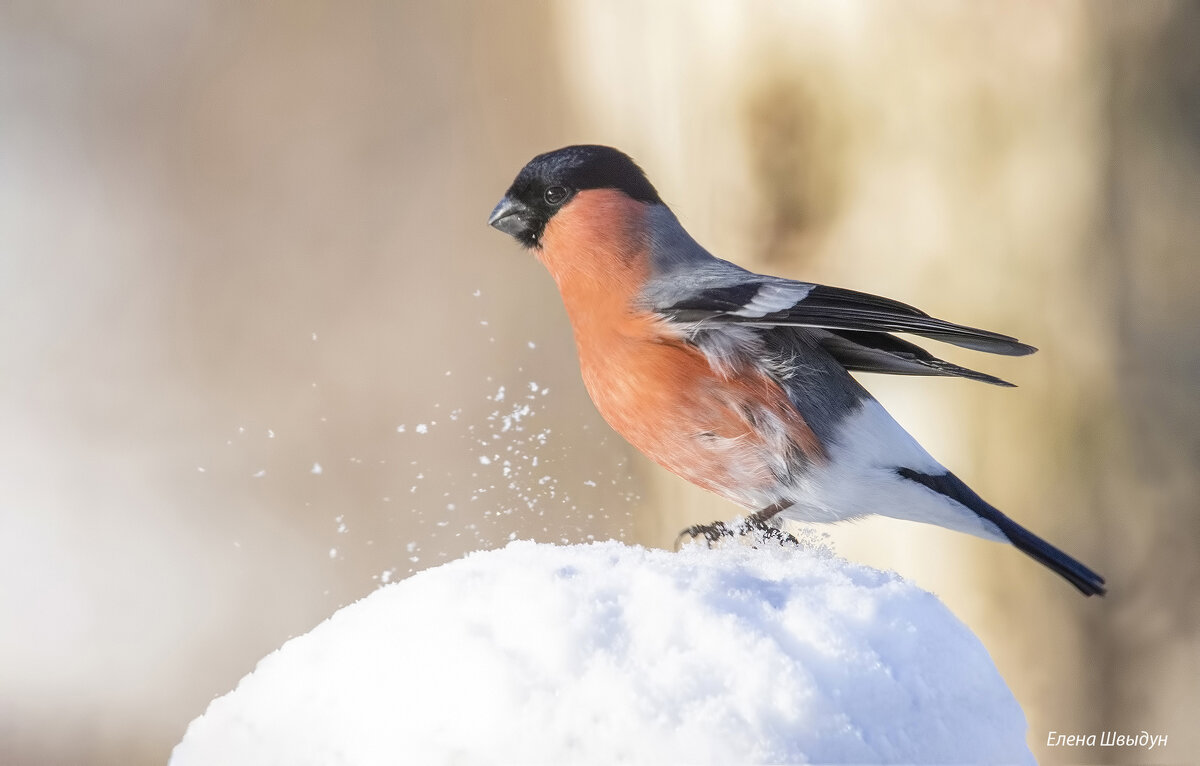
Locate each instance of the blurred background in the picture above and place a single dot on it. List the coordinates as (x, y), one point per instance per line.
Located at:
(259, 352)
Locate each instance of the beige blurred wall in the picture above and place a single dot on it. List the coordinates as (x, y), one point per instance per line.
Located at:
(248, 240)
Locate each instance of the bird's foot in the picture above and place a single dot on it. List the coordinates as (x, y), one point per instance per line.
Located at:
(712, 533)
(752, 530)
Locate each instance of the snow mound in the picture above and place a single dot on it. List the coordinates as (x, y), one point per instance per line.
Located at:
(606, 653)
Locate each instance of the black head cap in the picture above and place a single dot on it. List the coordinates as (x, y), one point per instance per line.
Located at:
(550, 180)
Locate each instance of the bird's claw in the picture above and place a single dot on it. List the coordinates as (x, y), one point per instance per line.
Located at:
(712, 533)
(715, 532)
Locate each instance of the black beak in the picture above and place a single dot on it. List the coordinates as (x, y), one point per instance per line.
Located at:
(512, 218)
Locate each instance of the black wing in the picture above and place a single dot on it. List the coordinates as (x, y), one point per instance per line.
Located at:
(859, 351)
(834, 308)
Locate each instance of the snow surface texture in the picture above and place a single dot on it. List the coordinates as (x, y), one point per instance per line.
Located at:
(606, 653)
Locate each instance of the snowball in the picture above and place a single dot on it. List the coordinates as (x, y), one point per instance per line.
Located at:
(606, 653)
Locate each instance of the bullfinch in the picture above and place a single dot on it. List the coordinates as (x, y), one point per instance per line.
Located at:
(740, 382)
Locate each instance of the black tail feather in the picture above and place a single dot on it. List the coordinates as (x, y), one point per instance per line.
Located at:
(1085, 580)
(1088, 582)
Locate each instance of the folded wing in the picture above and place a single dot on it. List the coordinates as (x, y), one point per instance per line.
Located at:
(853, 327)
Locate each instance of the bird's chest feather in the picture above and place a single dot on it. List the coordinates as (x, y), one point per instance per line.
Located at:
(732, 434)
(735, 435)
(732, 431)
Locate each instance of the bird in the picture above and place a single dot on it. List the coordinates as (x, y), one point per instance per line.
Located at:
(741, 382)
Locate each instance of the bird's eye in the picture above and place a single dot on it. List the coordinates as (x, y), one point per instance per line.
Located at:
(555, 195)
